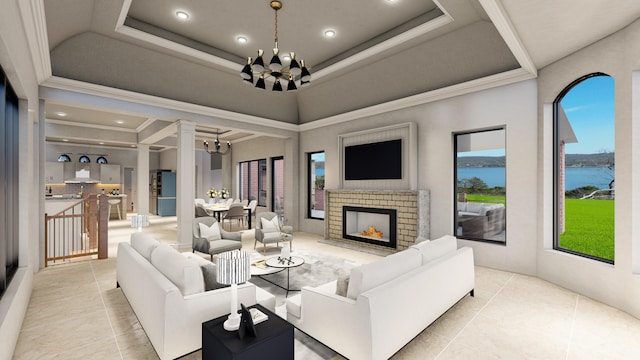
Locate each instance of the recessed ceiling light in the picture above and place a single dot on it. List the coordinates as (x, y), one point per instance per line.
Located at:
(329, 33)
(182, 15)
(119, 121)
(65, 140)
(242, 39)
(101, 143)
(286, 58)
(60, 113)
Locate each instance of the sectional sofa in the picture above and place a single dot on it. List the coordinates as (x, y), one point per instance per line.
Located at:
(381, 306)
(168, 291)
(481, 220)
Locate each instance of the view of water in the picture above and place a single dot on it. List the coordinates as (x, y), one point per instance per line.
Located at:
(575, 177)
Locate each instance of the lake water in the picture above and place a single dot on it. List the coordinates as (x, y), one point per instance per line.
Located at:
(575, 177)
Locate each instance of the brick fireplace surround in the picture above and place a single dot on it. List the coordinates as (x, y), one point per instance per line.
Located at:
(412, 210)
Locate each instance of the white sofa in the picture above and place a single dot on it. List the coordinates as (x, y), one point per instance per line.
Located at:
(387, 302)
(166, 290)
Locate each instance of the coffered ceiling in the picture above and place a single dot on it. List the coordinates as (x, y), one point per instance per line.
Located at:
(384, 52)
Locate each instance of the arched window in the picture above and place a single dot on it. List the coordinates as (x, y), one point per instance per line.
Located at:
(584, 168)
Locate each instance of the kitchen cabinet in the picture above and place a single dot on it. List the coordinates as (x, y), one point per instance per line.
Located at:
(109, 174)
(53, 173)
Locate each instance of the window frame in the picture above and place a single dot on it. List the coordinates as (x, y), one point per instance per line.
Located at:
(455, 185)
(311, 186)
(9, 182)
(557, 171)
(274, 191)
(261, 163)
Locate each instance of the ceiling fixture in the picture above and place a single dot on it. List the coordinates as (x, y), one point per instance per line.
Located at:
(296, 71)
(182, 15)
(216, 145)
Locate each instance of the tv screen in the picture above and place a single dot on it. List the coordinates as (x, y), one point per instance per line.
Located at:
(373, 161)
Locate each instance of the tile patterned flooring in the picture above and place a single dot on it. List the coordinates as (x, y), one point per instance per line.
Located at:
(76, 312)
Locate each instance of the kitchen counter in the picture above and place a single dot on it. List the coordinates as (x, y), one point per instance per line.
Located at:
(56, 203)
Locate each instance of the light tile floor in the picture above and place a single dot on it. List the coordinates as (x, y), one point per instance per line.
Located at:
(77, 313)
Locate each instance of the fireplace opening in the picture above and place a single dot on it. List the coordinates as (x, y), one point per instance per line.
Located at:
(370, 225)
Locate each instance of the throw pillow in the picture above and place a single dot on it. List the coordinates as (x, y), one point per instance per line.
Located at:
(210, 232)
(209, 272)
(342, 285)
(270, 225)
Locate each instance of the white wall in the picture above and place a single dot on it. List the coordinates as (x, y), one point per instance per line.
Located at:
(513, 106)
(15, 59)
(618, 56)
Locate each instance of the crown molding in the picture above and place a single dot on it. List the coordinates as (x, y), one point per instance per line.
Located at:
(503, 24)
(488, 82)
(35, 27)
(129, 96)
(86, 125)
(397, 40)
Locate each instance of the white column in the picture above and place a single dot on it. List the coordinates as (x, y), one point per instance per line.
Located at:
(142, 175)
(185, 182)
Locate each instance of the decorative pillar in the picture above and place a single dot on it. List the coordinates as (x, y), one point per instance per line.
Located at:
(142, 201)
(185, 181)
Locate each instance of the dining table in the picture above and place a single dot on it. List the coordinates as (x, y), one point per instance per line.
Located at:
(218, 209)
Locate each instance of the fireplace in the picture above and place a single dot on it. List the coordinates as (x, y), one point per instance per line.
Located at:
(370, 225)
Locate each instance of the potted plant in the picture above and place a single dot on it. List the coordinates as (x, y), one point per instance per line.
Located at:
(212, 193)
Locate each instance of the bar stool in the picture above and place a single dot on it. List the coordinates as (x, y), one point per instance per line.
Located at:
(115, 202)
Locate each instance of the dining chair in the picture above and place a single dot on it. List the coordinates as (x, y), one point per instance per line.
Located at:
(236, 211)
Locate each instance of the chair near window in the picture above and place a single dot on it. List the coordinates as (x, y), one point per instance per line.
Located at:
(270, 236)
(235, 212)
(229, 240)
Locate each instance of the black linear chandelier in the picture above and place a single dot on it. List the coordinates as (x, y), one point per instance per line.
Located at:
(292, 73)
(216, 144)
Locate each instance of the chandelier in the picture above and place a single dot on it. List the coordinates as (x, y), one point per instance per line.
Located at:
(216, 145)
(296, 71)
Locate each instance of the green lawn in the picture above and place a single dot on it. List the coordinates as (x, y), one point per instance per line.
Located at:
(589, 227)
(486, 199)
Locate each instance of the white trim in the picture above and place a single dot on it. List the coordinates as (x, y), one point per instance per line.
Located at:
(397, 40)
(503, 24)
(129, 96)
(87, 125)
(35, 27)
(235, 67)
(146, 123)
(488, 82)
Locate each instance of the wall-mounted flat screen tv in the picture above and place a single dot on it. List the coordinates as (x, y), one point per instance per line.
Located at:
(373, 161)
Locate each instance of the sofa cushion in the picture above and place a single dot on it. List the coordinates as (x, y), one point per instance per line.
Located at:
(487, 207)
(184, 274)
(436, 248)
(342, 285)
(209, 271)
(144, 244)
(369, 276)
(474, 207)
(210, 232)
(294, 305)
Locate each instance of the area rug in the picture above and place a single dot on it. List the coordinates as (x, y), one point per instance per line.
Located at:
(317, 269)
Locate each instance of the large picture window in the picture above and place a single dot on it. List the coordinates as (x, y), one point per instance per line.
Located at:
(480, 188)
(584, 168)
(253, 181)
(8, 182)
(315, 164)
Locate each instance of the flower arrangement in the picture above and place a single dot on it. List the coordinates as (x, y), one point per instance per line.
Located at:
(212, 193)
(224, 193)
